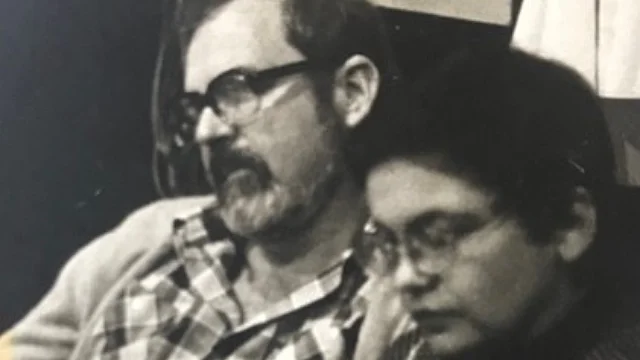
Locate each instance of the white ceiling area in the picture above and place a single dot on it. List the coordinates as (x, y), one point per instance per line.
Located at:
(487, 11)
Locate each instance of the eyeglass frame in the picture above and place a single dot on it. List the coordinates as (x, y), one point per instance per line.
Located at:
(417, 251)
(257, 83)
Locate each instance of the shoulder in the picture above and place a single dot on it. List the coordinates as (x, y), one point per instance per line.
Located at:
(625, 345)
(147, 226)
(97, 266)
(51, 329)
(145, 229)
(620, 336)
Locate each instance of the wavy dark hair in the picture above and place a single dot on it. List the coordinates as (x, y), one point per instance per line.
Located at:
(526, 129)
(320, 29)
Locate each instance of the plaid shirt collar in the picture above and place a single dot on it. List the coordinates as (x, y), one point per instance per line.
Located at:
(185, 306)
(209, 266)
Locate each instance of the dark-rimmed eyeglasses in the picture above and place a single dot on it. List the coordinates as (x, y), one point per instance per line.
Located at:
(234, 96)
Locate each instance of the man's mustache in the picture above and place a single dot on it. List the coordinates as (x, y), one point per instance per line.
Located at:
(225, 160)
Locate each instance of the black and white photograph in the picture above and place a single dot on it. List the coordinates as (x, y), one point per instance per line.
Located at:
(320, 180)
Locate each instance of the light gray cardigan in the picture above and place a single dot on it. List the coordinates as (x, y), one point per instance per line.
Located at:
(58, 327)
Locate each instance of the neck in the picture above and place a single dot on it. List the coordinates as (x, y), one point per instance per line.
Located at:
(533, 335)
(294, 258)
(557, 309)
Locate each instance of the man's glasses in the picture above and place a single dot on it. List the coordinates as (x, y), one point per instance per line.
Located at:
(234, 96)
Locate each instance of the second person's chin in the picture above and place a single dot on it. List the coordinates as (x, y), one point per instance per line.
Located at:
(452, 343)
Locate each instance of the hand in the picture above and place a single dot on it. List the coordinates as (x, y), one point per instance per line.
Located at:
(382, 321)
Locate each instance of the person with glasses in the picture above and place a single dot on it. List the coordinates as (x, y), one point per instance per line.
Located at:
(492, 218)
(253, 259)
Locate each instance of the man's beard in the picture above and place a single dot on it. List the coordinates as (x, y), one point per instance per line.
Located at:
(252, 203)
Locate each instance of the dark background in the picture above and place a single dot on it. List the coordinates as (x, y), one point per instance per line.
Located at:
(75, 136)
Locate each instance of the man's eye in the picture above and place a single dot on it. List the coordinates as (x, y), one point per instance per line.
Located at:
(231, 85)
(192, 111)
(187, 108)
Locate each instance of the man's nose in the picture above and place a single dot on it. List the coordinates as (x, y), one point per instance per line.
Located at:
(211, 127)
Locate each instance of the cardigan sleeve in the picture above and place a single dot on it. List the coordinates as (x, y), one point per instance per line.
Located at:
(53, 327)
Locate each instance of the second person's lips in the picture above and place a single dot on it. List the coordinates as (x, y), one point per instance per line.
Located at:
(427, 314)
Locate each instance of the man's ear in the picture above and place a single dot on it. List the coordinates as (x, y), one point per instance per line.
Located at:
(356, 87)
(579, 235)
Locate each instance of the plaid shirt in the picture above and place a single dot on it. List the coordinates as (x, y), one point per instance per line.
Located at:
(186, 308)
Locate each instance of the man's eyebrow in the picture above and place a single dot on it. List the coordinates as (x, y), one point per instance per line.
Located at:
(241, 68)
(234, 70)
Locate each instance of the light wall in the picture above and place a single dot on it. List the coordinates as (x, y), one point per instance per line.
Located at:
(487, 11)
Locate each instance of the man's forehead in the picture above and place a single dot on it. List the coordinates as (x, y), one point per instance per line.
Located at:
(241, 33)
